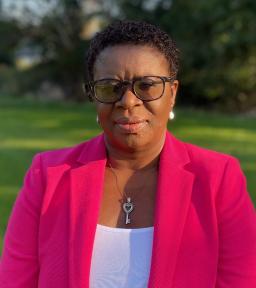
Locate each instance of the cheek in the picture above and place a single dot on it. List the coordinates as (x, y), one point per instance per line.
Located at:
(160, 111)
(103, 111)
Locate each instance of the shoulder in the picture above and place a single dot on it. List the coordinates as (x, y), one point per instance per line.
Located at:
(209, 158)
(199, 157)
(215, 165)
(68, 155)
(208, 165)
(218, 171)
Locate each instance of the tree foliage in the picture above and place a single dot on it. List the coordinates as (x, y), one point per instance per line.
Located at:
(11, 34)
(218, 47)
(63, 49)
(216, 38)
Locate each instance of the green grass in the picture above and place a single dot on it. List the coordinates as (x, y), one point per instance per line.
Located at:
(27, 128)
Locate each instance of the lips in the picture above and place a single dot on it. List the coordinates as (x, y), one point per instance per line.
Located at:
(130, 125)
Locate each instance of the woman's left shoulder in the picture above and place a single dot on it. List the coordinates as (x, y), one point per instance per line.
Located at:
(222, 173)
(211, 159)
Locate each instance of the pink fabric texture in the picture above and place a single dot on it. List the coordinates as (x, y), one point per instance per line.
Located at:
(205, 222)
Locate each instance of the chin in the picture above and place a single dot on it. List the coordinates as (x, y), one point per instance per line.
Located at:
(129, 142)
(134, 142)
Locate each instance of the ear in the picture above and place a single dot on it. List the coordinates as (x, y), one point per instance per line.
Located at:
(174, 90)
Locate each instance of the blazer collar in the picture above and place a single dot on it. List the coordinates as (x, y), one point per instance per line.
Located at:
(85, 197)
(94, 150)
(173, 151)
(174, 189)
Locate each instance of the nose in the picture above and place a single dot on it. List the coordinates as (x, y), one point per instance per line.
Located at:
(128, 99)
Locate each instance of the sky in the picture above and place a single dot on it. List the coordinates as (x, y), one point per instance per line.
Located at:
(15, 8)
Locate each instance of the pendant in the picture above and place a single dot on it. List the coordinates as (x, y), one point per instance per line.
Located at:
(128, 207)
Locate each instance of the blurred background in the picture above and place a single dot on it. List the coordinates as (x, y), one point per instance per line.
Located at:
(42, 103)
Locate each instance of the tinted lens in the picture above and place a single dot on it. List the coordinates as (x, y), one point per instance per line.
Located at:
(149, 88)
(107, 91)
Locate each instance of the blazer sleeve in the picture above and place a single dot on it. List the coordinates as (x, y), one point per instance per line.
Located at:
(237, 231)
(19, 265)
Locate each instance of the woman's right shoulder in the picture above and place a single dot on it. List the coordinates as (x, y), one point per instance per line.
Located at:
(67, 155)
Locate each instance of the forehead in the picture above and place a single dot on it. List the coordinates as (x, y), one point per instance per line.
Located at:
(128, 61)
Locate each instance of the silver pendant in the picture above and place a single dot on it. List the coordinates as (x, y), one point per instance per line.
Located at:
(128, 207)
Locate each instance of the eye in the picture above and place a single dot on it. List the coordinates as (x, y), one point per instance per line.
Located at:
(145, 84)
(107, 84)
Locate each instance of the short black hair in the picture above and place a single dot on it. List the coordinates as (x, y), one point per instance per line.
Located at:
(136, 33)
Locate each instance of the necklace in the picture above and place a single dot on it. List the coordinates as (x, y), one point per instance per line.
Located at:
(127, 206)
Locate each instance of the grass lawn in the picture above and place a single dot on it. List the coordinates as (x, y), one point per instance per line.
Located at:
(27, 128)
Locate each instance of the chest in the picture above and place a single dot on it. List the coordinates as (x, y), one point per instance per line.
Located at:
(141, 189)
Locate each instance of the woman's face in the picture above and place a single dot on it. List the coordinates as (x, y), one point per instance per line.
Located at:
(131, 124)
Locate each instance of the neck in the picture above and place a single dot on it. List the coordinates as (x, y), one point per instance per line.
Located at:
(134, 160)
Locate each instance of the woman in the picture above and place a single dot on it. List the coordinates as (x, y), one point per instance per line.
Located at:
(133, 207)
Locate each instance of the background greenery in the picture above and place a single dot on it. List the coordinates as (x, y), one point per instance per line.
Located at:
(216, 38)
(28, 127)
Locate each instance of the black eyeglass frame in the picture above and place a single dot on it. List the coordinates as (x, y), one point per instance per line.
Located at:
(90, 87)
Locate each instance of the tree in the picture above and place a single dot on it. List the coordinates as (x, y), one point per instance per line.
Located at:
(58, 32)
(11, 33)
(218, 44)
(216, 39)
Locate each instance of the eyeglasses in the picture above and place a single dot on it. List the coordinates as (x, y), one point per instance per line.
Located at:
(146, 88)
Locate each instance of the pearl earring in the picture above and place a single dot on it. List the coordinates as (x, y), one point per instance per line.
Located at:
(97, 119)
(171, 115)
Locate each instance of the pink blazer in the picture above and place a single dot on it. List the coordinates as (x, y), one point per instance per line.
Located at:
(205, 223)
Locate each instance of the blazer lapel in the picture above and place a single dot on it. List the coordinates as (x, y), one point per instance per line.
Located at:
(172, 202)
(85, 197)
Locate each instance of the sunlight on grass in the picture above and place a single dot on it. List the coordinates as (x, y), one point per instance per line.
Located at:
(235, 134)
(249, 166)
(39, 144)
(45, 144)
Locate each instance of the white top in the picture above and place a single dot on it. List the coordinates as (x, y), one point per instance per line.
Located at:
(121, 257)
